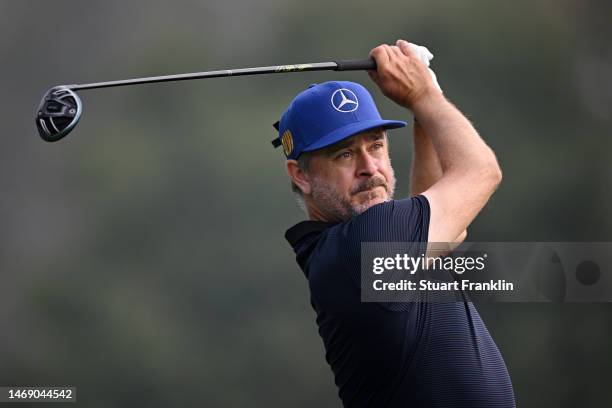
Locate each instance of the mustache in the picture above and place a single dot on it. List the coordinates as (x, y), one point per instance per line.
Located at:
(370, 184)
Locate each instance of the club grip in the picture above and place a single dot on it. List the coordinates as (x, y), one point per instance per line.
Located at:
(355, 65)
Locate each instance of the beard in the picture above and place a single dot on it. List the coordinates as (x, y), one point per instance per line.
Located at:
(338, 207)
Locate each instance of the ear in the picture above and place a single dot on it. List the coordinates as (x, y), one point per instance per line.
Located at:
(298, 176)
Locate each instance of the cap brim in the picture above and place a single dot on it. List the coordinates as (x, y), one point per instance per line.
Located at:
(351, 130)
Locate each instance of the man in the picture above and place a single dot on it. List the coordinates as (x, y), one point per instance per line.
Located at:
(404, 354)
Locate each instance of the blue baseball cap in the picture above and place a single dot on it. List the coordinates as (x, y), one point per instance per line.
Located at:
(327, 113)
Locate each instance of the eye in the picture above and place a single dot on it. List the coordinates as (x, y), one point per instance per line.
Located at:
(378, 145)
(345, 155)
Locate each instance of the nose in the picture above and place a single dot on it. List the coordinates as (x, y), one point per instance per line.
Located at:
(367, 165)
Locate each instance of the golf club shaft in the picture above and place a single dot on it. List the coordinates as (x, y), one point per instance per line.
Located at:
(344, 65)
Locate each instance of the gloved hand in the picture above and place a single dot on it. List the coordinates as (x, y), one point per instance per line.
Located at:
(425, 56)
(402, 74)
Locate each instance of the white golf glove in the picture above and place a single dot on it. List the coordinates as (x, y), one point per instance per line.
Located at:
(425, 56)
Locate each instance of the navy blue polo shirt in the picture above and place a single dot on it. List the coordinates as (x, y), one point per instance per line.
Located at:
(394, 355)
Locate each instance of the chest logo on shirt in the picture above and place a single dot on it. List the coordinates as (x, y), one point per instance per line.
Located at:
(344, 100)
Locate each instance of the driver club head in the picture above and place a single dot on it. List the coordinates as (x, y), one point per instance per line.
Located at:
(58, 113)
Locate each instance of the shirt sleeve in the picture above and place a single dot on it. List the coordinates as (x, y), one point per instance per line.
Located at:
(404, 220)
(394, 221)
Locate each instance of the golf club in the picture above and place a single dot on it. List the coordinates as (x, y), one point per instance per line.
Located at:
(60, 108)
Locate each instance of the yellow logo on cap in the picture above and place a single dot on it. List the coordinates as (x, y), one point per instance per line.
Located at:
(287, 140)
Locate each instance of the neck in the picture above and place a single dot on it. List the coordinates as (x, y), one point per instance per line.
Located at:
(315, 214)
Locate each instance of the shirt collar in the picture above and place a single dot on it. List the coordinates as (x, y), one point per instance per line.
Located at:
(302, 229)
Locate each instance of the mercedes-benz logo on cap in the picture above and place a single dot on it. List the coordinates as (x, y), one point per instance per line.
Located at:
(344, 100)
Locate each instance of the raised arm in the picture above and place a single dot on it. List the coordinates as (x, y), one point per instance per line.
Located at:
(470, 173)
(426, 169)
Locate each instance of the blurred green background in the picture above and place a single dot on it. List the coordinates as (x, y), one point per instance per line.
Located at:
(143, 258)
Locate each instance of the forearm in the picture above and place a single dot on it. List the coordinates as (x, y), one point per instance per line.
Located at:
(458, 146)
(425, 169)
